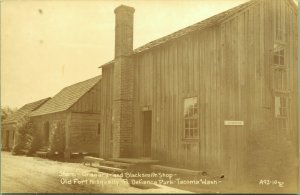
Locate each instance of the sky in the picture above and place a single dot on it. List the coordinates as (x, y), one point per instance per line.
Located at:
(48, 45)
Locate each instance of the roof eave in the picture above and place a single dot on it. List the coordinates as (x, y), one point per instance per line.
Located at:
(189, 29)
(107, 64)
(58, 112)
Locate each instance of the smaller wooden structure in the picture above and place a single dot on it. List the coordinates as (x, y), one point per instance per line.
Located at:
(71, 119)
(9, 124)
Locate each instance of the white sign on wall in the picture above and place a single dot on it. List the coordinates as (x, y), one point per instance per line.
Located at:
(233, 122)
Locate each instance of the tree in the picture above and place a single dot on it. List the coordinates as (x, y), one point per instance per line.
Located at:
(6, 111)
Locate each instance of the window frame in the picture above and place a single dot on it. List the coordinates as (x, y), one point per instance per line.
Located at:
(276, 49)
(279, 68)
(197, 129)
(281, 119)
(286, 107)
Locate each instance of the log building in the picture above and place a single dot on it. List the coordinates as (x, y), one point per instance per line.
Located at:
(9, 125)
(74, 113)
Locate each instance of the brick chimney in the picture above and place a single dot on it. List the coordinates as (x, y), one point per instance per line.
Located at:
(124, 30)
(122, 117)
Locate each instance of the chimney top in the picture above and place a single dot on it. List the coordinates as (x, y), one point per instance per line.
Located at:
(124, 8)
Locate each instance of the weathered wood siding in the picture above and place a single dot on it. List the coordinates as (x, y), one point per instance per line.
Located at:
(165, 76)
(84, 121)
(247, 92)
(53, 119)
(84, 135)
(89, 102)
(241, 78)
(227, 67)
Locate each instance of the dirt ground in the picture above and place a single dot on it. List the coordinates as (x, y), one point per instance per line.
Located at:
(37, 175)
(21, 174)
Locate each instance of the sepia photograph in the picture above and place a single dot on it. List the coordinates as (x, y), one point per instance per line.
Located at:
(149, 96)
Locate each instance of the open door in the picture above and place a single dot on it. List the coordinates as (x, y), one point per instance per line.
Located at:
(147, 127)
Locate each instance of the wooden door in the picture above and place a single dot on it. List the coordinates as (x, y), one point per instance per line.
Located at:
(147, 128)
(46, 133)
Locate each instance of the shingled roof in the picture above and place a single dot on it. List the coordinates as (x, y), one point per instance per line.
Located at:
(66, 97)
(25, 110)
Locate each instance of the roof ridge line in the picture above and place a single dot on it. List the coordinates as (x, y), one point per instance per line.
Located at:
(191, 28)
(65, 98)
(84, 93)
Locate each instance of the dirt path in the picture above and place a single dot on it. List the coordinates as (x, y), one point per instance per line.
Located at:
(36, 175)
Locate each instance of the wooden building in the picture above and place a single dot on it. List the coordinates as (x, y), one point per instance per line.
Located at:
(194, 98)
(75, 113)
(9, 125)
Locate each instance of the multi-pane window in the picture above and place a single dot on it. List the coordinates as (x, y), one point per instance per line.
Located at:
(281, 111)
(191, 130)
(281, 106)
(280, 69)
(280, 84)
(279, 56)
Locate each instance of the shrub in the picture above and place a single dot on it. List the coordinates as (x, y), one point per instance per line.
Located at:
(22, 128)
(57, 137)
(33, 142)
(26, 138)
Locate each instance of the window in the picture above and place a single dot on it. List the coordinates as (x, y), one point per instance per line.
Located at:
(280, 69)
(278, 55)
(99, 129)
(281, 106)
(191, 118)
(281, 111)
(280, 83)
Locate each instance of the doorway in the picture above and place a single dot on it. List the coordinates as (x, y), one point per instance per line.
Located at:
(46, 133)
(147, 128)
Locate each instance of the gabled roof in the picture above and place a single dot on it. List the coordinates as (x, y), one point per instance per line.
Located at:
(198, 26)
(25, 110)
(66, 97)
